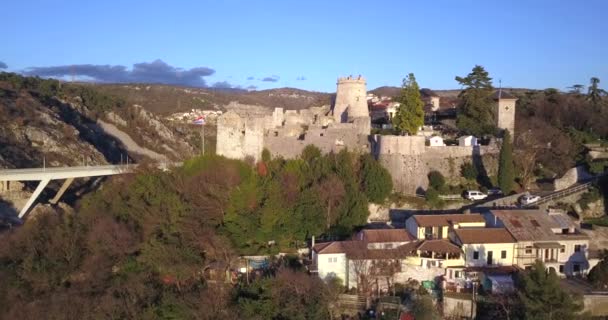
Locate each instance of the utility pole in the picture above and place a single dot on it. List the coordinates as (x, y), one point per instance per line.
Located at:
(203, 138)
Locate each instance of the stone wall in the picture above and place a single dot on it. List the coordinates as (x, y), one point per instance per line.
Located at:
(287, 133)
(570, 178)
(410, 161)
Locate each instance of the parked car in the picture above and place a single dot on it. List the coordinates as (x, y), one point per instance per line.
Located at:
(528, 199)
(495, 192)
(474, 195)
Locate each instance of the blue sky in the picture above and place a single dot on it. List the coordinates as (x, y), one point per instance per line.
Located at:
(535, 44)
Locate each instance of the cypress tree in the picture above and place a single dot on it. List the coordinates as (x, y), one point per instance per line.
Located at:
(506, 170)
(410, 115)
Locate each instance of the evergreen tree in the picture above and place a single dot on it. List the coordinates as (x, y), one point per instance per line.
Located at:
(594, 94)
(377, 182)
(542, 297)
(598, 276)
(506, 170)
(476, 115)
(410, 115)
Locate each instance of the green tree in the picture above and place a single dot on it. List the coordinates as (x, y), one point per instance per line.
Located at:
(377, 182)
(476, 115)
(436, 180)
(576, 89)
(542, 297)
(506, 169)
(410, 115)
(469, 171)
(598, 276)
(424, 309)
(594, 93)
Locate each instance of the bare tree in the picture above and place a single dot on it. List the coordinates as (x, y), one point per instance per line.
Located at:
(331, 192)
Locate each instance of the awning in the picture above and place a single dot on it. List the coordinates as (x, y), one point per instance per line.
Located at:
(547, 245)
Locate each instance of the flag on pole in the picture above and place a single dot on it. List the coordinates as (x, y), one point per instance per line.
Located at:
(199, 121)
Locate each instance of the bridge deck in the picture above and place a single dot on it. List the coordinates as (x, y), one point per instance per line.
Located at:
(38, 174)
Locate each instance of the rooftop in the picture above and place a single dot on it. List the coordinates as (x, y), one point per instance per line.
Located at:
(537, 225)
(440, 246)
(503, 94)
(437, 220)
(385, 235)
(484, 235)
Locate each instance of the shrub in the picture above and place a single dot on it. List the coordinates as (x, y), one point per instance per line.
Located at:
(469, 171)
(436, 180)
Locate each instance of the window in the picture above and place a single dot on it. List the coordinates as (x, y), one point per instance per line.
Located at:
(562, 249)
(388, 246)
(577, 267)
(528, 267)
(577, 248)
(475, 255)
(561, 268)
(456, 274)
(503, 254)
(528, 250)
(332, 259)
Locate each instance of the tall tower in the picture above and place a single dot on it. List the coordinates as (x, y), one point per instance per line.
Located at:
(351, 99)
(505, 111)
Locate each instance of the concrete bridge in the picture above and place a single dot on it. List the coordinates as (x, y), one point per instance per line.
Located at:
(45, 175)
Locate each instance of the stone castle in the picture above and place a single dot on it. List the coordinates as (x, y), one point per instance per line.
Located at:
(285, 133)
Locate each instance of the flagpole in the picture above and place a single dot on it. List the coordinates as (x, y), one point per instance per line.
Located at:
(203, 137)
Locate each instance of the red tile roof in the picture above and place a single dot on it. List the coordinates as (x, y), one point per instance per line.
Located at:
(385, 235)
(484, 235)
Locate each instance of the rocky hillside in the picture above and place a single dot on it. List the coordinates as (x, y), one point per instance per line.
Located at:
(67, 125)
(165, 100)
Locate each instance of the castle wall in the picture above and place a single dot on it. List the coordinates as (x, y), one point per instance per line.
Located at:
(238, 138)
(410, 161)
(331, 139)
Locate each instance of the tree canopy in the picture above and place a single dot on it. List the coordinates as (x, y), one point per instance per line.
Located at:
(410, 115)
(476, 113)
(542, 297)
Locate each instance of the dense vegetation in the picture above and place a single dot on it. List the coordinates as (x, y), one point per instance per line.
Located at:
(147, 245)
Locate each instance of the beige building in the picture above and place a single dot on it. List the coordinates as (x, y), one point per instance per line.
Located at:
(486, 247)
(548, 236)
(438, 226)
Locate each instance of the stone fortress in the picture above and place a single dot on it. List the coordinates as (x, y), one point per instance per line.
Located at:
(285, 133)
(347, 124)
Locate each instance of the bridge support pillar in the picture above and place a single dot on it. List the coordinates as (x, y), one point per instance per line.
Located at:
(62, 190)
(34, 196)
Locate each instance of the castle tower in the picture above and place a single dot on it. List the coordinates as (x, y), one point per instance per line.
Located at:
(505, 111)
(351, 99)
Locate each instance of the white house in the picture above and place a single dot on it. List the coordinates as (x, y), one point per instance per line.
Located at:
(436, 141)
(467, 141)
(346, 259)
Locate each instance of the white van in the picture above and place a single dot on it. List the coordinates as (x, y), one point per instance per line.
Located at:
(474, 195)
